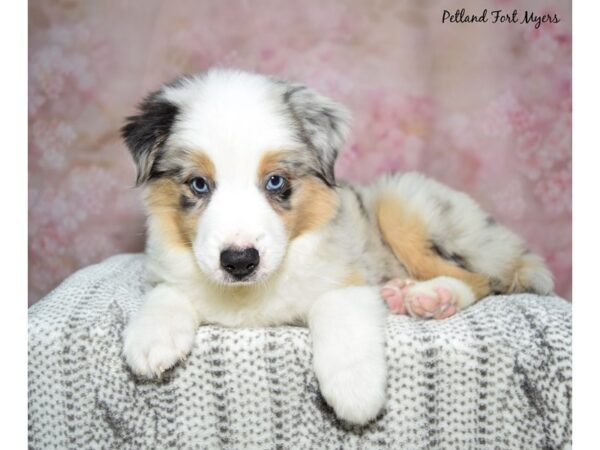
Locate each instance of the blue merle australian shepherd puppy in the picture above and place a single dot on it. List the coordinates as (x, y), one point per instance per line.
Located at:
(247, 226)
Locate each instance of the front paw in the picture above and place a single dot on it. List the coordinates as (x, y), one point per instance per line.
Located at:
(155, 341)
(356, 393)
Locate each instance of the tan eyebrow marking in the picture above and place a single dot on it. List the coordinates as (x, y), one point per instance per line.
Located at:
(204, 164)
(271, 162)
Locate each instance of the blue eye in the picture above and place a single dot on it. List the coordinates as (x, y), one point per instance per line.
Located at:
(199, 186)
(275, 183)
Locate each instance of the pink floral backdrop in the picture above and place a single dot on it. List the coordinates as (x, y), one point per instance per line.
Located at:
(484, 107)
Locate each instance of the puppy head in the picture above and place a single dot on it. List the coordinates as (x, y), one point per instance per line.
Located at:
(235, 166)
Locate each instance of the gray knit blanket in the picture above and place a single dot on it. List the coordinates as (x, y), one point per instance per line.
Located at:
(497, 375)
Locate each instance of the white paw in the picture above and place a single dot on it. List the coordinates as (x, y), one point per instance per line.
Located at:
(356, 393)
(156, 340)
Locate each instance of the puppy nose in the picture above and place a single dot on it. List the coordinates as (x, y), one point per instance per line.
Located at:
(240, 262)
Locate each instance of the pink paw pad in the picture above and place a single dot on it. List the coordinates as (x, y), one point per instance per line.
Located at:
(394, 293)
(405, 297)
(439, 306)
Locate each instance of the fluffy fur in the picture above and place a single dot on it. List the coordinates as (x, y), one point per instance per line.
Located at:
(325, 247)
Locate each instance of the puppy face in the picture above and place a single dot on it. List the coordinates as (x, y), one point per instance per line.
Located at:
(236, 165)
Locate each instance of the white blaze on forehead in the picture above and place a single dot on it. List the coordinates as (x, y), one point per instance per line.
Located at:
(234, 117)
(238, 217)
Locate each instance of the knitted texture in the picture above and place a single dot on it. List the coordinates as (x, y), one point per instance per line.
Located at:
(497, 375)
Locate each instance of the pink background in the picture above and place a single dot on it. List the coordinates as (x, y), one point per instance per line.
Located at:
(485, 108)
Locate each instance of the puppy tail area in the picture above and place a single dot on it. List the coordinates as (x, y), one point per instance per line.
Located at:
(531, 274)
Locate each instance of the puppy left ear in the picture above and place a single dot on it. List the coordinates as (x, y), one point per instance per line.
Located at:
(145, 133)
(323, 125)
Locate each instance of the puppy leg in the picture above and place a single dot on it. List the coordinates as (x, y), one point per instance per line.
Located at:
(438, 298)
(438, 232)
(161, 333)
(348, 332)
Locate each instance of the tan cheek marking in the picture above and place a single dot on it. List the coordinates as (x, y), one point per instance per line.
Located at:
(313, 206)
(406, 234)
(162, 203)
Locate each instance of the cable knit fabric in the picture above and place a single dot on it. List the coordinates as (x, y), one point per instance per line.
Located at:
(497, 375)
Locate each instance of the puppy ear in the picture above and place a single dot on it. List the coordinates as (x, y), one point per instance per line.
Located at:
(323, 125)
(145, 133)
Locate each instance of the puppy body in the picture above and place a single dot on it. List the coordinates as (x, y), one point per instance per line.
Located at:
(240, 164)
(351, 250)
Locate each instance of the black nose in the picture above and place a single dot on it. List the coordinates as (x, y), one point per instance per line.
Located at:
(240, 262)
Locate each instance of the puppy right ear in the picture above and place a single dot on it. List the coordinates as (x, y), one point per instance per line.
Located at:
(146, 133)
